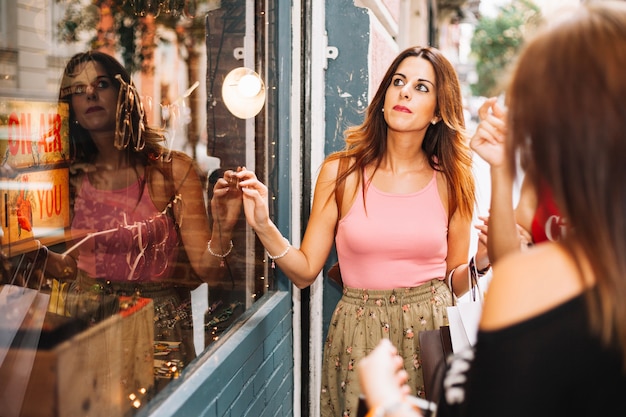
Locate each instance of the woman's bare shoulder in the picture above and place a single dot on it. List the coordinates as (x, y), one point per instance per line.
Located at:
(334, 163)
(181, 166)
(332, 167)
(526, 284)
(178, 158)
(327, 179)
(169, 174)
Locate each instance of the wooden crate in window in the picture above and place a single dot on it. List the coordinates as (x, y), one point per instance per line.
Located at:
(95, 372)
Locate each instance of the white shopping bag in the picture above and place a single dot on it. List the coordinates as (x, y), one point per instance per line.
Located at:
(19, 364)
(15, 301)
(19, 337)
(464, 317)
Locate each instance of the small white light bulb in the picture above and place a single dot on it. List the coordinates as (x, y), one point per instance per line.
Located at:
(249, 86)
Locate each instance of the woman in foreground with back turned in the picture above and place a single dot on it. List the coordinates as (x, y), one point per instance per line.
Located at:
(552, 339)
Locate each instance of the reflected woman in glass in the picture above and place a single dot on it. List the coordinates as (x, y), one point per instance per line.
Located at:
(137, 206)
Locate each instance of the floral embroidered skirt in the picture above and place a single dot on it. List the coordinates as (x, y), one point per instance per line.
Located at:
(360, 320)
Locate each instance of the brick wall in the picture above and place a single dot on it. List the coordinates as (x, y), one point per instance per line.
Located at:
(249, 375)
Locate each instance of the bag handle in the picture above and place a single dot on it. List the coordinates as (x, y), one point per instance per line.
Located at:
(472, 278)
(472, 282)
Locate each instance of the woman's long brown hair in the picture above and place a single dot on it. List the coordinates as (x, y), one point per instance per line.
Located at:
(567, 122)
(444, 143)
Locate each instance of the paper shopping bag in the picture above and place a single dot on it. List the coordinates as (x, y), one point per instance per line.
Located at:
(470, 317)
(19, 364)
(15, 301)
(463, 319)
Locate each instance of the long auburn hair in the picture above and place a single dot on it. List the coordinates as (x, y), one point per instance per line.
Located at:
(567, 123)
(82, 148)
(444, 143)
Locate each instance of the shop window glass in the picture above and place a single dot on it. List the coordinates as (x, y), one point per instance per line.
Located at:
(111, 330)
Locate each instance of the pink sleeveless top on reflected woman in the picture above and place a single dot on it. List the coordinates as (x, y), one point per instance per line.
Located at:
(113, 256)
(401, 241)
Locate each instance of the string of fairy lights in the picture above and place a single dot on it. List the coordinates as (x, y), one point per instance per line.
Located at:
(186, 8)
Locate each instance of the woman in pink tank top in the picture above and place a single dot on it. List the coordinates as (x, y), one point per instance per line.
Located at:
(402, 222)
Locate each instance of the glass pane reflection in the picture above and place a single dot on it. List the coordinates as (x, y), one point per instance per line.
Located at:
(108, 288)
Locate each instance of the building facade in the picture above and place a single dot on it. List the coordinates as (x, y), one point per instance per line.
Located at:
(320, 63)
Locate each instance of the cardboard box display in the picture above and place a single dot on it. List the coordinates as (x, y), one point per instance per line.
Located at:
(95, 372)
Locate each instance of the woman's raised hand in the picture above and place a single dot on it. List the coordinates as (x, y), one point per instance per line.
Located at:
(226, 201)
(488, 141)
(255, 204)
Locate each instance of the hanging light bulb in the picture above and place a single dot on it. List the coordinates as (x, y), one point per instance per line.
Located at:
(249, 85)
(243, 92)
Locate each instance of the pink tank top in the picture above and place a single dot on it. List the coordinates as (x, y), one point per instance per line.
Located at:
(145, 250)
(401, 241)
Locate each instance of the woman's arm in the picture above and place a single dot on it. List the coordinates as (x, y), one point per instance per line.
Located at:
(504, 221)
(458, 247)
(61, 266)
(525, 210)
(303, 265)
(191, 217)
(503, 234)
(225, 211)
(509, 228)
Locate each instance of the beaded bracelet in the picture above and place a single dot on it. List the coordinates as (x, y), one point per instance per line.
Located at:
(273, 258)
(218, 255)
(479, 272)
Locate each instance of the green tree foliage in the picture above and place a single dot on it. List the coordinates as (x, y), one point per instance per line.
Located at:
(497, 41)
(135, 40)
(129, 28)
